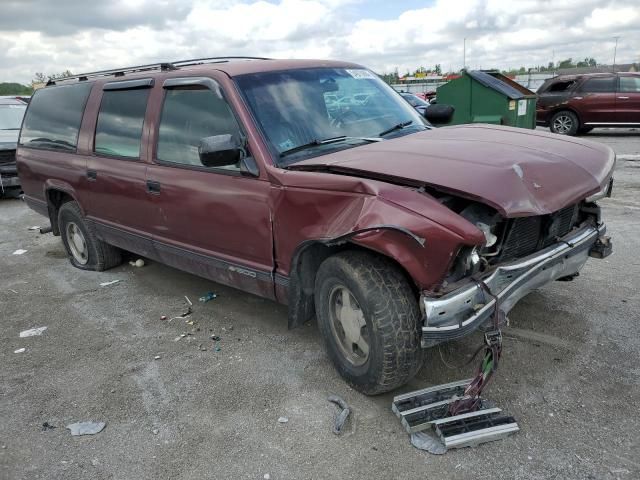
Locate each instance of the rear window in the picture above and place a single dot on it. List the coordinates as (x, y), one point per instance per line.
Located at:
(53, 118)
(119, 127)
(599, 85)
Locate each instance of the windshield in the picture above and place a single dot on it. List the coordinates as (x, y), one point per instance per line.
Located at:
(11, 116)
(310, 112)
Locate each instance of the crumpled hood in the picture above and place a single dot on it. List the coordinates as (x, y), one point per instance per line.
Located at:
(518, 172)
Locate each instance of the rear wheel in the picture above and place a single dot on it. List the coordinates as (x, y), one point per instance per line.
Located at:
(370, 321)
(84, 248)
(564, 123)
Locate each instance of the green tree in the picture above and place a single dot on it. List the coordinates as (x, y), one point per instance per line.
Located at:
(438, 69)
(567, 63)
(12, 88)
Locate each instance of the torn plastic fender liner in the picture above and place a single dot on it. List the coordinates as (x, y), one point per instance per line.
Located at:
(343, 238)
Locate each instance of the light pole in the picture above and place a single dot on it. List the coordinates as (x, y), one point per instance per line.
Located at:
(615, 50)
(464, 53)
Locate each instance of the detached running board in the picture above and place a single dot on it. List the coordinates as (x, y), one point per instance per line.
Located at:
(428, 409)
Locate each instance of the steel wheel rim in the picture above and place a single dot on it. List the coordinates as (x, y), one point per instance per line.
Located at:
(562, 123)
(77, 244)
(348, 326)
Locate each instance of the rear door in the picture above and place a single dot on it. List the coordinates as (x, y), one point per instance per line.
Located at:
(596, 100)
(212, 221)
(628, 99)
(119, 205)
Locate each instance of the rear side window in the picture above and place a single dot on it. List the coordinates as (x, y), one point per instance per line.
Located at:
(53, 118)
(630, 84)
(599, 85)
(189, 115)
(120, 119)
(562, 86)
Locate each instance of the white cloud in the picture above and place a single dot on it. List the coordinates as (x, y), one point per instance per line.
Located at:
(83, 36)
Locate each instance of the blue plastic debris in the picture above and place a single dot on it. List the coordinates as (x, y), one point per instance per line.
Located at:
(208, 296)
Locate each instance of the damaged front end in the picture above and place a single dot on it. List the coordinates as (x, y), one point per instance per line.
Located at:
(520, 255)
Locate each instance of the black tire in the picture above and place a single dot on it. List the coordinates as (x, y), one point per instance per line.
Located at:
(583, 130)
(564, 122)
(391, 313)
(99, 255)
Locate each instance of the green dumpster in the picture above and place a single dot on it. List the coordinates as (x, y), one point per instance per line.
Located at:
(487, 96)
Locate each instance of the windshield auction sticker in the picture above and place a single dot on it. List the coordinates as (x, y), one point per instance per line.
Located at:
(360, 73)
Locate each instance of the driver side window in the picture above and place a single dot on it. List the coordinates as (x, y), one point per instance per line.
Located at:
(190, 114)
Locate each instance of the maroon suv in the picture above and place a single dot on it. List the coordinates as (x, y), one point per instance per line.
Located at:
(575, 104)
(395, 236)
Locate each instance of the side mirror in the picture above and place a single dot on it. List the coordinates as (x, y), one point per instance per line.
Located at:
(220, 151)
(439, 113)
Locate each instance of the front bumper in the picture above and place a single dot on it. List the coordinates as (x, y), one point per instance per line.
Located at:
(467, 308)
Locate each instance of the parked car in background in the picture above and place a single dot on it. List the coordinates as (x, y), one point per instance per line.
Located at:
(575, 104)
(11, 113)
(394, 235)
(416, 102)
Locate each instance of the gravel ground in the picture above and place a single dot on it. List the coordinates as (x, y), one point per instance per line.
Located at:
(184, 409)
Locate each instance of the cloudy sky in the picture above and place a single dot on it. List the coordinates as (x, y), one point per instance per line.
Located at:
(83, 35)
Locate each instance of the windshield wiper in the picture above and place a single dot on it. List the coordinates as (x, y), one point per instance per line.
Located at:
(398, 126)
(326, 141)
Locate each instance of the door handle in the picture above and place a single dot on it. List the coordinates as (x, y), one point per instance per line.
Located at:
(153, 187)
(92, 175)
(623, 98)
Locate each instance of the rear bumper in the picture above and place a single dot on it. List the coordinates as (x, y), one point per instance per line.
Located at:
(464, 310)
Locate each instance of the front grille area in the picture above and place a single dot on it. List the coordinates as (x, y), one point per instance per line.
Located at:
(523, 236)
(7, 156)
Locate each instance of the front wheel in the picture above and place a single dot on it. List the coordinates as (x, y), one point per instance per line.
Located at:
(564, 123)
(370, 321)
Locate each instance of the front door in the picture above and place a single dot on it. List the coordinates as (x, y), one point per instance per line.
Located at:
(628, 99)
(212, 221)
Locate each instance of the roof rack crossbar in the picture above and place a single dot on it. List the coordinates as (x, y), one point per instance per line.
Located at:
(164, 66)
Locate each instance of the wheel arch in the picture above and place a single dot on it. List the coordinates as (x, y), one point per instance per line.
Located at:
(304, 266)
(56, 195)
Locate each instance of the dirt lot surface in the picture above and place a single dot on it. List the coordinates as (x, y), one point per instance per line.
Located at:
(174, 410)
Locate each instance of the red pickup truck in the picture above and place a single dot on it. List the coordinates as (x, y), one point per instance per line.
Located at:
(394, 235)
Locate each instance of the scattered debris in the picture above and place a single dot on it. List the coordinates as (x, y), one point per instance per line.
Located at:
(155, 431)
(112, 282)
(341, 419)
(217, 349)
(12, 290)
(283, 420)
(47, 426)
(215, 338)
(202, 348)
(427, 441)
(187, 312)
(163, 317)
(86, 428)
(36, 227)
(138, 263)
(32, 332)
(179, 337)
(207, 297)
(267, 476)
(20, 251)
(157, 357)
(20, 350)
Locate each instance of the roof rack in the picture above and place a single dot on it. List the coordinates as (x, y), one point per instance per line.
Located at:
(164, 66)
